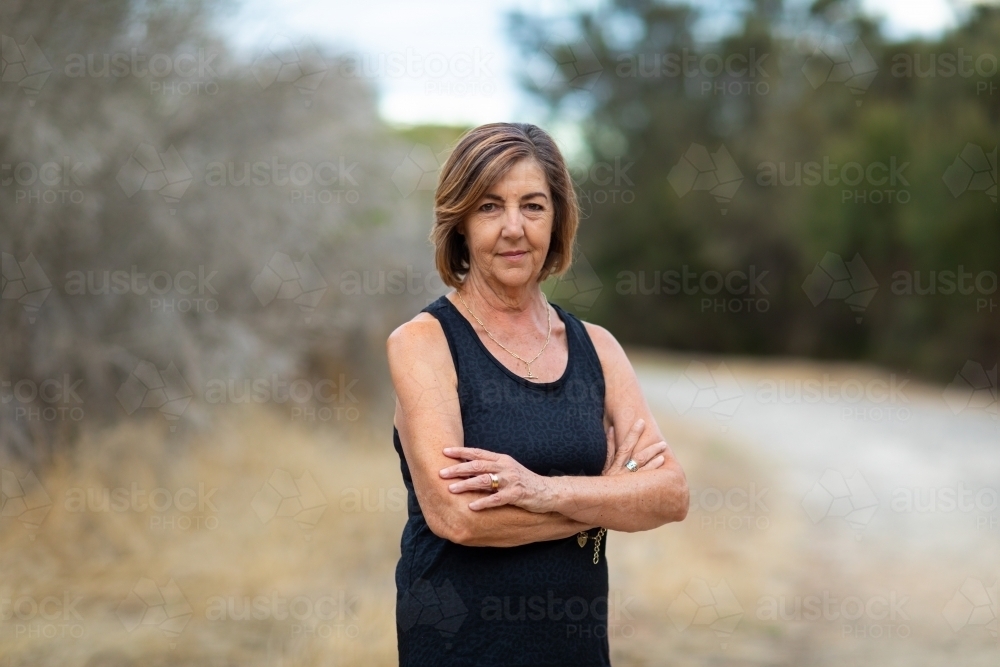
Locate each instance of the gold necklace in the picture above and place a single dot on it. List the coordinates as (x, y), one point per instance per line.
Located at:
(529, 376)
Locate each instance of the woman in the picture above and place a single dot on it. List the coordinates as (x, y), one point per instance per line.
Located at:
(522, 432)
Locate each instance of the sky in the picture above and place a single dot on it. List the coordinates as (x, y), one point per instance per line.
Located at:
(451, 61)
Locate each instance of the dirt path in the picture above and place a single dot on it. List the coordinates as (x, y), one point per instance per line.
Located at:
(871, 490)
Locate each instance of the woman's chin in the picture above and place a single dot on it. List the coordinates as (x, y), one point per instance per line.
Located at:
(516, 277)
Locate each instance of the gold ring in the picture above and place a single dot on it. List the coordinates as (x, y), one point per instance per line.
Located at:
(494, 481)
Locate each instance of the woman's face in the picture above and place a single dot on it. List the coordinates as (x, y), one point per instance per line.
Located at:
(509, 231)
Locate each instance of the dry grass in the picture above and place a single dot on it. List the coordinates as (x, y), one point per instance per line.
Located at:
(228, 551)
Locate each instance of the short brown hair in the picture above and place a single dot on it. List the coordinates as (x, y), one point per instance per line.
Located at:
(482, 156)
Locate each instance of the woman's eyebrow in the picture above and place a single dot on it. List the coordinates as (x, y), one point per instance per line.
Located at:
(490, 195)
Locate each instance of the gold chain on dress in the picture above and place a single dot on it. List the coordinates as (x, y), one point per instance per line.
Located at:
(581, 539)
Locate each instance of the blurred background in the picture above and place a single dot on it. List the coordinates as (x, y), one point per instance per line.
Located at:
(212, 214)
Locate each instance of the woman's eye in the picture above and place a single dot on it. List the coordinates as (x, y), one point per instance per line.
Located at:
(535, 207)
(487, 207)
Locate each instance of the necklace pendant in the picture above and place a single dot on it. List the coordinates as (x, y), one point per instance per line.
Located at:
(581, 539)
(530, 376)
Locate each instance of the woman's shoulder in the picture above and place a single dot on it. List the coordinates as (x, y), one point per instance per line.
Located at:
(609, 350)
(421, 335)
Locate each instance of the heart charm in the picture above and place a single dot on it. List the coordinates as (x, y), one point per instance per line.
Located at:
(581, 539)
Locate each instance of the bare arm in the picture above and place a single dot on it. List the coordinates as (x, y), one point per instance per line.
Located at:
(428, 419)
(635, 501)
(655, 494)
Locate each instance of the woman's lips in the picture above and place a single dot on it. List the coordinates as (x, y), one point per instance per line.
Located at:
(514, 254)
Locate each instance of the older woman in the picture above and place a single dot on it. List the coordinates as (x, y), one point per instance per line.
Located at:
(522, 433)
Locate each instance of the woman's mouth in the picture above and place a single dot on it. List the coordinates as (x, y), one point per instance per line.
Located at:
(514, 254)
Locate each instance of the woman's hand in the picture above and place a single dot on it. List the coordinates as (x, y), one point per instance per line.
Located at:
(518, 485)
(649, 458)
(521, 487)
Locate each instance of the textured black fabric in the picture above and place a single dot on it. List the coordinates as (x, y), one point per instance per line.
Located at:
(539, 604)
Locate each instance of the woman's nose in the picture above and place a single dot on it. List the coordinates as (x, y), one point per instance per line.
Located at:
(513, 223)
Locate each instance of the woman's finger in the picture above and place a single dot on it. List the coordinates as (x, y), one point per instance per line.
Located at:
(469, 453)
(610, 457)
(632, 439)
(647, 454)
(492, 500)
(655, 463)
(470, 468)
(477, 483)
(622, 453)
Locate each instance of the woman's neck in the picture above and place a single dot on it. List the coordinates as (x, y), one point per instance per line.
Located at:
(501, 299)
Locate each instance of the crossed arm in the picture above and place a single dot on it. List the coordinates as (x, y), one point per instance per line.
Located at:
(454, 497)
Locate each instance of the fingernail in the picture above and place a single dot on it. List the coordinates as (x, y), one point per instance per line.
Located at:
(452, 487)
(448, 450)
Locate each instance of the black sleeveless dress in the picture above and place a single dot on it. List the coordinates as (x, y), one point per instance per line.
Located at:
(539, 604)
